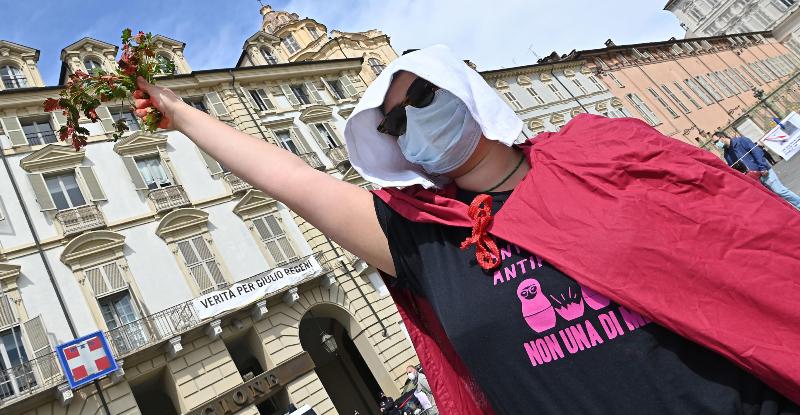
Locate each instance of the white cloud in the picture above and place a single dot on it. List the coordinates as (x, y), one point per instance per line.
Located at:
(497, 33)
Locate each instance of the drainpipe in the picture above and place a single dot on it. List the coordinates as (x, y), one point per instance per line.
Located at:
(47, 267)
(568, 91)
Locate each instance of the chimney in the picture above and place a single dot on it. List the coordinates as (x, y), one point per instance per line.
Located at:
(610, 43)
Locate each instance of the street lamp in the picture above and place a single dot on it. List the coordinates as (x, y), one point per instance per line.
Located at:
(329, 343)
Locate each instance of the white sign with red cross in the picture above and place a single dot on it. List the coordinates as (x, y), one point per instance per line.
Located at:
(86, 359)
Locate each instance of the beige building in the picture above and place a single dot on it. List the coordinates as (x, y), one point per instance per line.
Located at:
(136, 238)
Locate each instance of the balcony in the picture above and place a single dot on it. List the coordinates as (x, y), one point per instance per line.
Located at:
(30, 377)
(152, 329)
(313, 160)
(80, 219)
(170, 197)
(339, 158)
(237, 184)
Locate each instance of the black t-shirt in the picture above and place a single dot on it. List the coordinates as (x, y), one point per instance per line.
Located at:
(539, 343)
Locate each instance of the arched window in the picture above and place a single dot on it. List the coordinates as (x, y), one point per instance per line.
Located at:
(166, 64)
(12, 77)
(376, 65)
(91, 64)
(269, 56)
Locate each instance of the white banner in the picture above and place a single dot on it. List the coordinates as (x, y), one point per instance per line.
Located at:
(786, 141)
(252, 289)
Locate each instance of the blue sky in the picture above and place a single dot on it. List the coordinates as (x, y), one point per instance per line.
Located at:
(493, 34)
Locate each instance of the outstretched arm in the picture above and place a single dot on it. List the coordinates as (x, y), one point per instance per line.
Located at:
(339, 209)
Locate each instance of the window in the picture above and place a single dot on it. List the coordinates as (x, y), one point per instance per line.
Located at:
(643, 109)
(726, 77)
(261, 99)
(275, 240)
(165, 64)
(285, 140)
(376, 65)
(313, 32)
(122, 319)
(536, 98)
(764, 71)
(326, 135)
(743, 82)
(698, 90)
(788, 3)
(153, 173)
(749, 71)
(616, 81)
(197, 103)
(38, 132)
(300, 93)
(686, 94)
(721, 84)
(622, 59)
(336, 88)
(13, 355)
(596, 82)
(600, 63)
(554, 89)
(269, 56)
(662, 102)
(290, 44)
(201, 264)
(675, 99)
(512, 100)
(128, 118)
(64, 190)
(12, 77)
(91, 64)
(708, 88)
(580, 86)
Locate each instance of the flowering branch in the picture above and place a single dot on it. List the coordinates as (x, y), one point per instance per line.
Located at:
(84, 92)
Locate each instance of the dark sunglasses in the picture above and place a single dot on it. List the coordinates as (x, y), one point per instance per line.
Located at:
(419, 95)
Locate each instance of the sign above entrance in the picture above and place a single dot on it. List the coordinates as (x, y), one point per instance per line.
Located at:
(245, 292)
(86, 359)
(784, 139)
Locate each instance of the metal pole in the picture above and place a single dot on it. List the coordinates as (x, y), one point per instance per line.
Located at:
(46, 263)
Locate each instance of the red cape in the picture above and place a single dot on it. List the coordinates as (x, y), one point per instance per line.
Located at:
(662, 227)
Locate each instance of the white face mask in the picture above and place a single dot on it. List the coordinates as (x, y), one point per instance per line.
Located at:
(412, 376)
(441, 136)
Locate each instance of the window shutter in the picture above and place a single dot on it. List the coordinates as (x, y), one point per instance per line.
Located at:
(13, 129)
(106, 119)
(216, 104)
(97, 282)
(36, 334)
(248, 97)
(194, 266)
(133, 171)
(95, 191)
(213, 166)
(40, 191)
(298, 140)
(57, 119)
(290, 95)
(114, 276)
(332, 131)
(318, 137)
(208, 258)
(312, 90)
(265, 99)
(348, 86)
(329, 88)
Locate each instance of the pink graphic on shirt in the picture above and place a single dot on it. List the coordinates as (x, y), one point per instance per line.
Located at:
(569, 306)
(536, 309)
(594, 299)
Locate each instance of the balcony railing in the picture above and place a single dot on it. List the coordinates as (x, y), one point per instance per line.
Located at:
(313, 160)
(237, 184)
(80, 219)
(7, 316)
(152, 329)
(170, 197)
(338, 155)
(30, 377)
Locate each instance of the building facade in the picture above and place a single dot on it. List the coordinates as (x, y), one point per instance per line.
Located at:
(127, 236)
(547, 95)
(690, 88)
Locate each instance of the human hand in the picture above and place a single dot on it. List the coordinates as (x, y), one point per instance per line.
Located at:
(163, 99)
(764, 173)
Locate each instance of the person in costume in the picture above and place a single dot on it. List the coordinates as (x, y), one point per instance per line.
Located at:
(603, 269)
(742, 150)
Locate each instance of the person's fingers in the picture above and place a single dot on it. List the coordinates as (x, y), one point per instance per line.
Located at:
(142, 103)
(141, 113)
(143, 85)
(138, 93)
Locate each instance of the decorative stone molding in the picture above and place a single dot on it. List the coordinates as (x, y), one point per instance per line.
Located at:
(64, 394)
(173, 347)
(52, 157)
(524, 80)
(501, 84)
(214, 329)
(316, 113)
(291, 296)
(327, 280)
(91, 248)
(141, 142)
(345, 112)
(182, 223)
(8, 276)
(259, 310)
(544, 77)
(254, 203)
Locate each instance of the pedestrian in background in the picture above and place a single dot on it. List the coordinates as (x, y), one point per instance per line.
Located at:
(743, 152)
(422, 388)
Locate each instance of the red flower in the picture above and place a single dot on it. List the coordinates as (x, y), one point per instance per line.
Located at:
(51, 104)
(92, 114)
